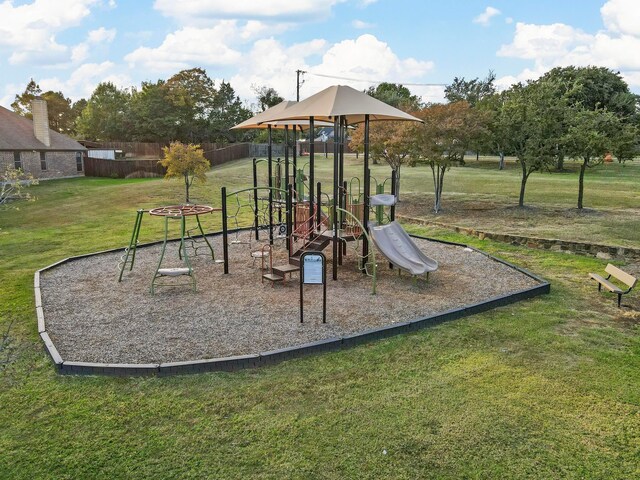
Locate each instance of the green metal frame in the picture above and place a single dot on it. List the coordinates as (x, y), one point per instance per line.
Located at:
(182, 253)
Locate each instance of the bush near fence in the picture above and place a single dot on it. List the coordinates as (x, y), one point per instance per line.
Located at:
(98, 167)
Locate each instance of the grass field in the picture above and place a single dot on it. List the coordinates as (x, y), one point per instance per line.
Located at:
(548, 388)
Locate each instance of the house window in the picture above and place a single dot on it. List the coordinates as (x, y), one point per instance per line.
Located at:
(43, 160)
(17, 162)
(79, 161)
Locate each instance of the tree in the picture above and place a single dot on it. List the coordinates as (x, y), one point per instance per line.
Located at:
(227, 111)
(528, 122)
(590, 88)
(442, 138)
(389, 141)
(60, 114)
(470, 91)
(106, 116)
(22, 103)
(192, 96)
(267, 96)
(496, 138)
(396, 95)
(13, 183)
(625, 145)
(59, 111)
(153, 116)
(187, 162)
(590, 136)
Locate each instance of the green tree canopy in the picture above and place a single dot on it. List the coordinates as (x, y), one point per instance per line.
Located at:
(443, 137)
(185, 161)
(529, 125)
(267, 97)
(470, 91)
(106, 116)
(396, 95)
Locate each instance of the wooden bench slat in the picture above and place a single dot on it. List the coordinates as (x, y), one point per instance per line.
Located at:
(605, 283)
(621, 275)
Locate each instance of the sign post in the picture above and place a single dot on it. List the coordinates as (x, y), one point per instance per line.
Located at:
(313, 271)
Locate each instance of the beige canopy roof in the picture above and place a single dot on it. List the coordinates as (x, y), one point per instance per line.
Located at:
(338, 101)
(261, 120)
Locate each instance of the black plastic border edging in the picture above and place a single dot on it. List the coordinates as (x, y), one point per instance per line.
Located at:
(232, 364)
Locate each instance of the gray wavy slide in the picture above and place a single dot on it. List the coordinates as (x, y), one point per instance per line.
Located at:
(396, 244)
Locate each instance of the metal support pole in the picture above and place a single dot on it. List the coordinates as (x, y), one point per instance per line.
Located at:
(334, 260)
(319, 203)
(367, 178)
(312, 151)
(256, 221)
(289, 217)
(270, 173)
(225, 233)
(287, 180)
(295, 150)
(394, 186)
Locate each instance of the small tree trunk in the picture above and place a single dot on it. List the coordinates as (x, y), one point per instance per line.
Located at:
(438, 182)
(396, 171)
(436, 198)
(186, 185)
(560, 163)
(583, 167)
(501, 163)
(523, 184)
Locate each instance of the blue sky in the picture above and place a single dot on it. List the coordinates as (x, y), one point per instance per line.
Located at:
(71, 45)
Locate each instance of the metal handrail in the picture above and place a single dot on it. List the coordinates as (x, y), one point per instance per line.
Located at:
(372, 254)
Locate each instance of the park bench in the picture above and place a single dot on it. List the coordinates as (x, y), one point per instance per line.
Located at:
(615, 272)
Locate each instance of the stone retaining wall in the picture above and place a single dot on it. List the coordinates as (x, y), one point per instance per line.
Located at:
(577, 248)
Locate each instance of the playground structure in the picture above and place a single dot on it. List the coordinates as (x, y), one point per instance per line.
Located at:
(193, 239)
(294, 208)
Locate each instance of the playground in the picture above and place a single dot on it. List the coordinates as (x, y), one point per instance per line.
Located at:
(245, 301)
(95, 319)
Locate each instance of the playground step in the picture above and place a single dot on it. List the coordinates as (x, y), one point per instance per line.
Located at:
(295, 260)
(282, 270)
(272, 277)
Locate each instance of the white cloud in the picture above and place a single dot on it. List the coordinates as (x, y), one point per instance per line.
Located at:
(543, 41)
(101, 35)
(558, 44)
(84, 79)
(199, 11)
(189, 46)
(29, 30)
(365, 58)
(621, 16)
(360, 25)
(366, 3)
(485, 17)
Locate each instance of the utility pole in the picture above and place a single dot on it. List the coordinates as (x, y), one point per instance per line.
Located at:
(298, 83)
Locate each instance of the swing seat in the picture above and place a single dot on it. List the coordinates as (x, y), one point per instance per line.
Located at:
(174, 271)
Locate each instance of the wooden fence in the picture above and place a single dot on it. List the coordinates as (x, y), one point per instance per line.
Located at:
(144, 149)
(98, 167)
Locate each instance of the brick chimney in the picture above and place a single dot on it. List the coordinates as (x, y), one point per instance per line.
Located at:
(40, 120)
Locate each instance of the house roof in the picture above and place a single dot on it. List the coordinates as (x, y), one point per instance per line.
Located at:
(16, 133)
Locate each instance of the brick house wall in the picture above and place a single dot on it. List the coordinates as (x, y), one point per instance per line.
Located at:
(58, 164)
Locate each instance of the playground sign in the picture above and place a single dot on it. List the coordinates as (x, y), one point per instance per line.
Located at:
(313, 271)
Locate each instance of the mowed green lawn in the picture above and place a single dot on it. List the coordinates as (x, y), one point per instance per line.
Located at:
(547, 388)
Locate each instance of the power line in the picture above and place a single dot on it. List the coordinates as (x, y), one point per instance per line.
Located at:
(378, 81)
